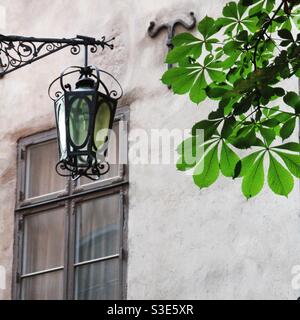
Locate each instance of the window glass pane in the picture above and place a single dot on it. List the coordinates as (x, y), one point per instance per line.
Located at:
(98, 281)
(47, 286)
(112, 157)
(41, 177)
(98, 228)
(43, 241)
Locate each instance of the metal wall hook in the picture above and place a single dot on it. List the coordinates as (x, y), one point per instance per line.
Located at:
(155, 29)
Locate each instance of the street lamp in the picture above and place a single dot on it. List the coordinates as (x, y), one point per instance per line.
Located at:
(84, 112)
(84, 118)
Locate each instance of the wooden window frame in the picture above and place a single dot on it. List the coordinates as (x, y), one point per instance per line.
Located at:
(68, 198)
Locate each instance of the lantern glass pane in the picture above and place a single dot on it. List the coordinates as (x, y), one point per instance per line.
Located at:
(102, 122)
(79, 120)
(61, 125)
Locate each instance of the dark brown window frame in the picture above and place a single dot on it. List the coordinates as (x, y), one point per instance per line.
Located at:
(68, 198)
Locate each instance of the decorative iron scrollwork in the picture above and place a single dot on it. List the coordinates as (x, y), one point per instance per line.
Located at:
(93, 172)
(17, 52)
(60, 85)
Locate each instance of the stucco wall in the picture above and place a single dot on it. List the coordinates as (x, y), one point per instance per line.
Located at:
(183, 243)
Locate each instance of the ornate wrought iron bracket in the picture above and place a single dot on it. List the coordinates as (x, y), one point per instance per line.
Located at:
(17, 52)
(155, 29)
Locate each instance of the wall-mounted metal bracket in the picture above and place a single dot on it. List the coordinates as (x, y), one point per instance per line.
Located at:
(155, 29)
(17, 52)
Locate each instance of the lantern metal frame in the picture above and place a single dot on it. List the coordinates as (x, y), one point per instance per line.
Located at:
(96, 165)
(19, 51)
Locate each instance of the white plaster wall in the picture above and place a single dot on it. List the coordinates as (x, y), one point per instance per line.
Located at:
(183, 243)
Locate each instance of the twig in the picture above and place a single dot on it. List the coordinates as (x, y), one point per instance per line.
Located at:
(263, 31)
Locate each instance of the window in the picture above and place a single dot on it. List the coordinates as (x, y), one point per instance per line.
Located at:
(70, 236)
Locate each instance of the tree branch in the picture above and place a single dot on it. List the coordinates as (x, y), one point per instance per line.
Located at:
(263, 32)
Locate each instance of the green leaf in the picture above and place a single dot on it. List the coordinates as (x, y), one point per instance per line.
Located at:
(247, 3)
(223, 22)
(282, 117)
(207, 27)
(207, 170)
(231, 47)
(237, 170)
(288, 128)
(270, 5)
(184, 38)
(183, 85)
(291, 146)
(228, 63)
(253, 182)
(197, 93)
(267, 92)
(285, 34)
(247, 163)
(256, 9)
(216, 75)
(188, 145)
(181, 79)
(280, 180)
(242, 36)
(292, 162)
(292, 99)
(230, 10)
(179, 53)
(191, 151)
(209, 128)
(268, 134)
(182, 165)
(243, 106)
(244, 139)
(251, 26)
(228, 161)
(176, 74)
(271, 123)
(228, 127)
(215, 92)
(217, 114)
(241, 10)
(279, 92)
(268, 112)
